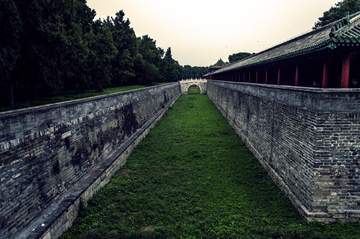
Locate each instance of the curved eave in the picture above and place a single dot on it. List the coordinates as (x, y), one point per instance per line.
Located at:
(343, 32)
(327, 43)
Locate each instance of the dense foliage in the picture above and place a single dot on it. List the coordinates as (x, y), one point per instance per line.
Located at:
(194, 72)
(238, 56)
(339, 11)
(48, 47)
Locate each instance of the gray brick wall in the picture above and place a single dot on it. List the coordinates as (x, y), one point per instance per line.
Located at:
(45, 150)
(307, 139)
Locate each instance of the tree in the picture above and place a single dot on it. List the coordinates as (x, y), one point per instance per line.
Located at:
(171, 68)
(339, 11)
(146, 72)
(186, 72)
(148, 61)
(10, 28)
(189, 72)
(238, 56)
(54, 45)
(102, 54)
(78, 18)
(47, 47)
(125, 43)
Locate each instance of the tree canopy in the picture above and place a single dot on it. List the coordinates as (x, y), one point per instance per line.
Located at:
(340, 10)
(238, 56)
(48, 47)
(10, 28)
(194, 72)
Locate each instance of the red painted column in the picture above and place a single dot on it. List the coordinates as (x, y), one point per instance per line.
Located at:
(345, 71)
(278, 79)
(266, 76)
(325, 74)
(297, 74)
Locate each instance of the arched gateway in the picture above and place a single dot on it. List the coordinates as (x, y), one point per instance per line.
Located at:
(201, 83)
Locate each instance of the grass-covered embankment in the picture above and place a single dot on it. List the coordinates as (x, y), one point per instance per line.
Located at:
(192, 177)
(20, 103)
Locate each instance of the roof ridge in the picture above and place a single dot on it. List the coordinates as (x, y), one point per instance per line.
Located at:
(344, 31)
(352, 18)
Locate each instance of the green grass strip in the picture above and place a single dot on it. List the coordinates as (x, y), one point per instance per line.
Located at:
(68, 97)
(192, 177)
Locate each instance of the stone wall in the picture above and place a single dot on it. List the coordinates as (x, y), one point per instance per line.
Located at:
(52, 155)
(307, 139)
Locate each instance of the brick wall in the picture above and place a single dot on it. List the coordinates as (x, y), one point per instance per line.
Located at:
(46, 150)
(307, 139)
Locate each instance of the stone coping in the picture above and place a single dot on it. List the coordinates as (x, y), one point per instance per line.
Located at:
(305, 98)
(40, 108)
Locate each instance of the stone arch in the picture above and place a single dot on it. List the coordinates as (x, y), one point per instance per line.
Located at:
(194, 84)
(201, 83)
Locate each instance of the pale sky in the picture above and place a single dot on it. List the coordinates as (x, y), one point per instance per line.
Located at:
(201, 32)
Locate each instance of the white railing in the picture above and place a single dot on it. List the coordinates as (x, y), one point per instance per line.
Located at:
(187, 80)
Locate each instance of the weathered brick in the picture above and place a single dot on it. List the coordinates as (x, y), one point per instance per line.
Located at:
(310, 144)
(67, 141)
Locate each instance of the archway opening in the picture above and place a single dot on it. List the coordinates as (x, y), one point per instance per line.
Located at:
(193, 89)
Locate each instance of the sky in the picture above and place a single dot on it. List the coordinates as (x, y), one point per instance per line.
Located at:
(201, 32)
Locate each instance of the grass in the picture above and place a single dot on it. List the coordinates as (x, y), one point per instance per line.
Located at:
(67, 97)
(194, 90)
(192, 177)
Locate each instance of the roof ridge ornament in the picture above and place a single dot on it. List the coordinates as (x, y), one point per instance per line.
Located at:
(344, 22)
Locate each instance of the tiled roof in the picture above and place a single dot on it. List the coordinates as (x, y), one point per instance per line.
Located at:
(219, 64)
(344, 32)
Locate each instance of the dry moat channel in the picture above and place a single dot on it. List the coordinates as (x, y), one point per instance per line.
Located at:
(192, 177)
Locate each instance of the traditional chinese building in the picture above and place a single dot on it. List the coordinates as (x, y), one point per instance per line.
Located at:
(327, 57)
(218, 65)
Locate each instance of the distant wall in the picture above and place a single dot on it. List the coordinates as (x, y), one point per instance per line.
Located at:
(52, 155)
(307, 139)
